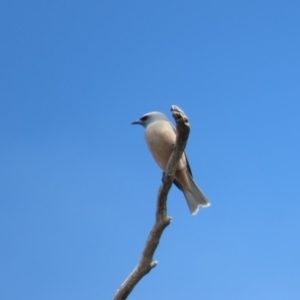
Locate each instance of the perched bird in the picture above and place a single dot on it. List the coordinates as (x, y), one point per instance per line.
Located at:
(160, 136)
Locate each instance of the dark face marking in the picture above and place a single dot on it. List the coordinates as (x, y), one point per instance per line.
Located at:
(144, 118)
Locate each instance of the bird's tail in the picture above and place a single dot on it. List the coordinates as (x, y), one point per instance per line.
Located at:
(194, 197)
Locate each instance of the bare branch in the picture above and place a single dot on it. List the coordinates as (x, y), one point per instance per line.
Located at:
(146, 262)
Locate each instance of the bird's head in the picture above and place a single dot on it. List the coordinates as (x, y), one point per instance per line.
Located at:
(150, 118)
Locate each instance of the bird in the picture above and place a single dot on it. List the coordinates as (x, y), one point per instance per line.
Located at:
(160, 135)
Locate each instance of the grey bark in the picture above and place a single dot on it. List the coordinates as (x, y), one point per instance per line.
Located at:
(162, 220)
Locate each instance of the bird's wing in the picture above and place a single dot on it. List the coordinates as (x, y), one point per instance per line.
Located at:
(178, 185)
(187, 162)
(188, 165)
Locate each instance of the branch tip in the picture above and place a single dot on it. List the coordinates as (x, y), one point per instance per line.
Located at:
(162, 219)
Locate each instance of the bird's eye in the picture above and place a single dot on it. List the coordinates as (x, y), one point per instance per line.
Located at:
(144, 118)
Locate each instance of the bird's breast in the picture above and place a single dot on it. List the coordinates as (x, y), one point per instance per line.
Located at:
(161, 138)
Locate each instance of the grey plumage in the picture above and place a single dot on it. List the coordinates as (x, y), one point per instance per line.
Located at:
(194, 197)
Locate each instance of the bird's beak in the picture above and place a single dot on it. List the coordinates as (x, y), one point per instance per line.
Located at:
(136, 122)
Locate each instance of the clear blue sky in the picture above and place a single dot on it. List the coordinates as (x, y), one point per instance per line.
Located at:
(77, 184)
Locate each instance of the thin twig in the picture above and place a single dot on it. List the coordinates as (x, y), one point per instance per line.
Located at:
(146, 263)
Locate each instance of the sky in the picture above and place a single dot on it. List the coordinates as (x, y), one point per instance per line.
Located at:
(78, 185)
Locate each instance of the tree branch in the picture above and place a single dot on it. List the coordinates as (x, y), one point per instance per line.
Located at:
(146, 262)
